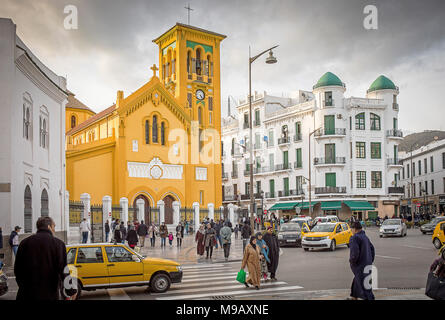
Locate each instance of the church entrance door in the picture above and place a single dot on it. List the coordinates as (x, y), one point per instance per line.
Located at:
(146, 214)
(168, 205)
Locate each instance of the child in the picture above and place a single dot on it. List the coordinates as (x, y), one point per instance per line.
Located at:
(170, 238)
(264, 256)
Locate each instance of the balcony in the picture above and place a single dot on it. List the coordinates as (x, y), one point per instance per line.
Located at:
(298, 165)
(284, 166)
(246, 173)
(229, 197)
(329, 190)
(296, 192)
(225, 176)
(261, 170)
(328, 103)
(398, 190)
(395, 106)
(394, 133)
(330, 161)
(270, 195)
(235, 174)
(245, 125)
(247, 196)
(283, 141)
(283, 193)
(330, 133)
(393, 162)
(297, 137)
(256, 123)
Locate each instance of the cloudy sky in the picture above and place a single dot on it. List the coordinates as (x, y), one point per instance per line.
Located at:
(112, 49)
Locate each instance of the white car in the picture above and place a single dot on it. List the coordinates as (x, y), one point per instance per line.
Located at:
(302, 220)
(393, 227)
(324, 219)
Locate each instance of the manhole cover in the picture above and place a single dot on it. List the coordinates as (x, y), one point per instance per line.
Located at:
(222, 298)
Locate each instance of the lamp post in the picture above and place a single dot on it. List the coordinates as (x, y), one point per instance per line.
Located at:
(310, 164)
(415, 145)
(262, 209)
(269, 60)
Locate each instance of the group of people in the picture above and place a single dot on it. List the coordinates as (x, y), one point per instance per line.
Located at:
(210, 234)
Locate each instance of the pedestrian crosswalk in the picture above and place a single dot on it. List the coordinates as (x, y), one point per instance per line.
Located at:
(207, 281)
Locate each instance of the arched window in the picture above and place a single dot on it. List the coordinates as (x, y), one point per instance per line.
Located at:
(189, 58)
(169, 63)
(26, 122)
(375, 121)
(360, 121)
(233, 146)
(199, 115)
(28, 210)
(163, 133)
(44, 133)
(198, 61)
(73, 121)
(40, 130)
(208, 65)
(147, 132)
(44, 210)
(155, 129)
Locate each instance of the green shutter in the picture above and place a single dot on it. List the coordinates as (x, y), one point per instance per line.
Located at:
(286, 186)
(330, 179)
(285, 159)
(272, 187)
(329, 124)
(298, 156)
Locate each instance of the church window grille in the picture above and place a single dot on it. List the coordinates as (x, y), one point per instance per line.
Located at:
(210, 103)
(198, 61)
(189, 99)
(73, 121)
(26, 122)
(147, 132)
(155, 129)
(163, 133)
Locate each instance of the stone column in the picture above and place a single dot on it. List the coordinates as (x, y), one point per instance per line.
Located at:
(86, 199)
(211, 207)
(106, 213)
(124, 209)
(67, 216)
(161, 207)
(231, 213)
(176, 213)
(221, 209)
(140, 203)
(195, 206)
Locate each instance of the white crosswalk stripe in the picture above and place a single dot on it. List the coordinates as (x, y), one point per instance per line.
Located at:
(204, 276)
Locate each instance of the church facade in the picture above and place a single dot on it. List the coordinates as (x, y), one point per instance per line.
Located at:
(162, 142)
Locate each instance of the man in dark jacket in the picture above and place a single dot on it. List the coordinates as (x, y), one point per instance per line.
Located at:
(107, 231)
(245, 234)
(217, 228)
(362, 256)
(142, 233)
(274, 252)
(40, 264)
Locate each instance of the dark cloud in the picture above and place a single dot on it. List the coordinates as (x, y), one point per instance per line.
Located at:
(112, 48)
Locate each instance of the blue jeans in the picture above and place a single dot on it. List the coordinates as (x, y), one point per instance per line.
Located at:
(163, 242)
(107, 234)
(14, 249)
(218, 240)
(85, 237)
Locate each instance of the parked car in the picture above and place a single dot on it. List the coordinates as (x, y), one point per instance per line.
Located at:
(104, 265)
(438, 237)
(302, 219)
(324, 219)
(430, 226)
(289, 234)
(393, 227)
(326, 235)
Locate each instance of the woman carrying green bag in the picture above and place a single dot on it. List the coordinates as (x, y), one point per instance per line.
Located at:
(252, 260)
(241, 277)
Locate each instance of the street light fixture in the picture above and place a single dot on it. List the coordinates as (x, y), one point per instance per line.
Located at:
(269, 60)
(309, 180)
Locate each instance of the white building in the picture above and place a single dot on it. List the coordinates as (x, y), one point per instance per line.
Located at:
(423, 179)
(354, 161)
(32, 131)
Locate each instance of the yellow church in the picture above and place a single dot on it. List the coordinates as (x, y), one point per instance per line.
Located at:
(161, 142)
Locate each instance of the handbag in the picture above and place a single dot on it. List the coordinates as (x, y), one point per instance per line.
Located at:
(241, 276)
(435, 287)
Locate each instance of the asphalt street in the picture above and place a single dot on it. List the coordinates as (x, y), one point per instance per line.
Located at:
(402, 264)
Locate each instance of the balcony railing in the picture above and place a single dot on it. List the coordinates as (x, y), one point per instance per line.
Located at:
(245, 125)
(336, 160)
(234, 174)
(256, 123)
(246, 173)
(270, 195)
(395, 190)
(394, 133)
(247, 196)
(297, 137)
(298, 165)
(229, 197)
(284, 193)
(296, 192)
(326, 190)
(395, 106)
(225, 176)
(261, 170)
(393, 162)
(284, 140)
(283, 166)
(330, 132)
(329, 102)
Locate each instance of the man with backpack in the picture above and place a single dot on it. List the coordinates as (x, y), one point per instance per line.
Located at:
(14, 240)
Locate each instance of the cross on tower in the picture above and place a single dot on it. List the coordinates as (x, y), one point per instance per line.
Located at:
(188, 13)
(154, 68)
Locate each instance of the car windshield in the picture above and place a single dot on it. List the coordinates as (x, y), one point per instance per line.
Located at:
(323, 228)
(290, 227)
(391, 222)
(437, 220)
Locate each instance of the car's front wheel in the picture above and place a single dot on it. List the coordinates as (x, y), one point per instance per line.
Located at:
(306, 249)
(437, 244)
(333, 245)
(160, 283)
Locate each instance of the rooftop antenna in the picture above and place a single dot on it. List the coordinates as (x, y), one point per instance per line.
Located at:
(188, 13)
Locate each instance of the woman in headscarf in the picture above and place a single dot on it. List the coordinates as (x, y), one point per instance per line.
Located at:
(209, 240)
(264, 254)
(252, 260)
(199, 239)
(132, 237)
(117, 234)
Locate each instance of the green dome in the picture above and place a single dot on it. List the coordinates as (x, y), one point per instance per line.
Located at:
(329, 79)
(382, 83)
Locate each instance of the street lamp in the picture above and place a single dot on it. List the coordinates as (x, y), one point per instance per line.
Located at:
(414, 145)
(310, 163)
(262, 209)
(269, 60)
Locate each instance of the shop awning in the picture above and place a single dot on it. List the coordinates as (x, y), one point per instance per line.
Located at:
(359, 205)
(305, 204)
(284, 206)
(330, 205)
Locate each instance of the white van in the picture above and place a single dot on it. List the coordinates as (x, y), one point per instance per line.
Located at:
(324, 219)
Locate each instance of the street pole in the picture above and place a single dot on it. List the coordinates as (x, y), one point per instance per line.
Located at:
(412, 184)
(310, 182)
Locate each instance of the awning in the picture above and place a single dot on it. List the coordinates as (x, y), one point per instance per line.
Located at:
(305, 204)
(284, 206)
(359, 205)
(330, 205)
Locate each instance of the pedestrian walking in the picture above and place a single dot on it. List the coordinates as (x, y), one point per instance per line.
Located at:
(434, 286)
(274, 252)
(209, 240)
(226, 238)
(1, 246)
(170, 239)
(152, 232)
(117, 233)
(199, 239)
(236, 230)
(264, 254)
(84, 228)
(113, 226)
(217, 227)
(186, 227)
(251, 259)
(163, 233)
(142, 233)
(132, 237)
(107, 230)
(14, 240)
(179, 234)
(124, 231)
(40, 266)
(245, 234)
(361, 256)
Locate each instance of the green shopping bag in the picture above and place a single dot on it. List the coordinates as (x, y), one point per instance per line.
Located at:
(241, 277)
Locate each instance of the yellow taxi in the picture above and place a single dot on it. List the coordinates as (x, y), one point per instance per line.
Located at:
(438, 237)
(106, 265)
(325, 235)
